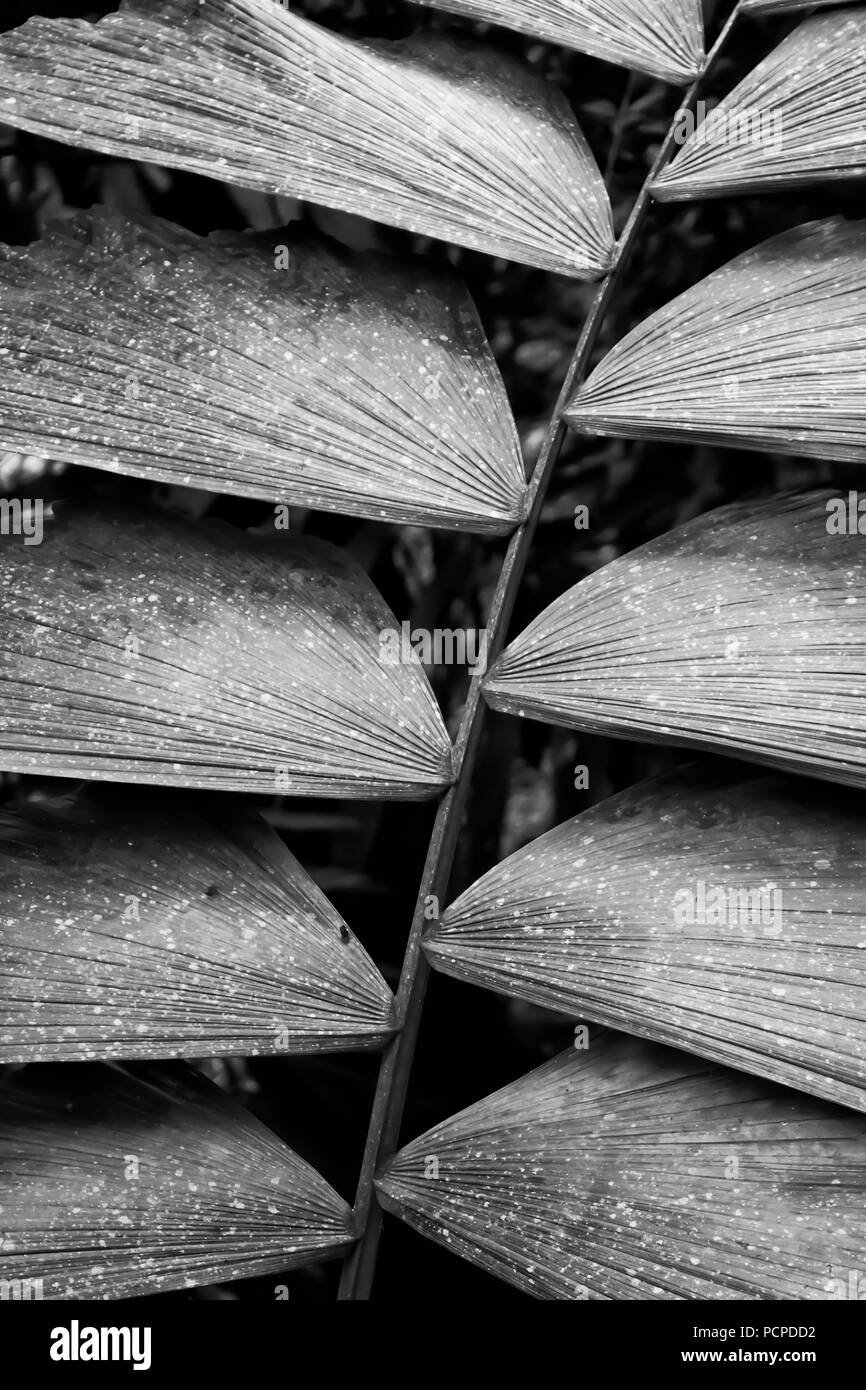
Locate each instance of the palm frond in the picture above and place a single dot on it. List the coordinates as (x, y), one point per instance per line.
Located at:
(347, 382)
(634, 1172)
(661, 37)
(766, 353)
(740, 631)
(118, 1184)
(140, 649)
(446, 139)
(169, 931)
(799, 118)
(721, 913)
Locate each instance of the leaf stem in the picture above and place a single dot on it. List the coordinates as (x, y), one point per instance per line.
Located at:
(393, 1081)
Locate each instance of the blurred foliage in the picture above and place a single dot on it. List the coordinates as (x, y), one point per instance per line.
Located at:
(369, 858)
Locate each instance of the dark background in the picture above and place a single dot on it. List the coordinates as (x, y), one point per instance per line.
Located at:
(369, 858)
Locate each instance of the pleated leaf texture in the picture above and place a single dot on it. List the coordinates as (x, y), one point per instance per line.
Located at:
(741, 632)
(350, 383)
(661, 37)
(143, 649)
(166, 931)
(722, 914)
(767, 353)
(448, 140)
(799, 118)
(117, 1183)
(634, 1172)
